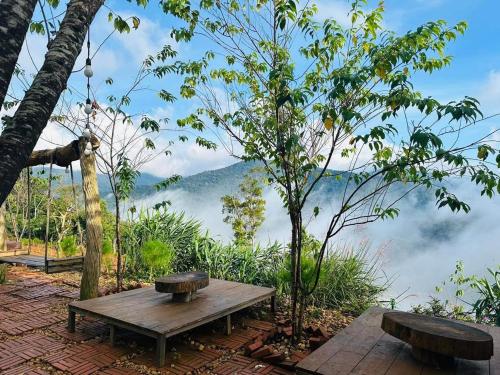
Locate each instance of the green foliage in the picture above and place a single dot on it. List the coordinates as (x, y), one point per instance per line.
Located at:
(486, 307)
(299, 92)
(442, 309)
(234, 262)
(3, 273)
(245, 213)
(349, 279)
(127, 177)
(158, 256)
(107, 246)
(168, 227)
(68, 246)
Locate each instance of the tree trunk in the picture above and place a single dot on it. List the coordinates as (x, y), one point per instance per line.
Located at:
(92, 264)
(15, 18)
(61, 156)
(23, 130)
(3, 229)
(118, 242)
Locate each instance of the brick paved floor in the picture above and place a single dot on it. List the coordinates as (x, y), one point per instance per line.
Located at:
(34, 339)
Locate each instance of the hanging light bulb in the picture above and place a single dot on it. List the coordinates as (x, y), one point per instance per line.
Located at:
(88, 149)
(86, 133)
(88, 68)
(88, 107)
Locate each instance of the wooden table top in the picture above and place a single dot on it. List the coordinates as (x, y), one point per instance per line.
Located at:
(364, 348)
(155, 313)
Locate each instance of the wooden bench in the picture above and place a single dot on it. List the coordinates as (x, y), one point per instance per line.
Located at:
(64, 264)
(154, 314)
(364, 348)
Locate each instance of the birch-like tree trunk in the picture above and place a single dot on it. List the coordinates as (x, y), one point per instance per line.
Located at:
(89, 286)
(15, 17)
(21, 134)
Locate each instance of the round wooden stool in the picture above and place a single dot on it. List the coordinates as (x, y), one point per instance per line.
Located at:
(438, 341)
(183, 286)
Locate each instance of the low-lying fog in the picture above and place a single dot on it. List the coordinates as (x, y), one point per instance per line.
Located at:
(419, 249)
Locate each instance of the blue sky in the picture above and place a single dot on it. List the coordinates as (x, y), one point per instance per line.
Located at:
(475, 70)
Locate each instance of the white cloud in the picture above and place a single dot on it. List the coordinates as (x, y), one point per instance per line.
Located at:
(338, 10)
(489, 93)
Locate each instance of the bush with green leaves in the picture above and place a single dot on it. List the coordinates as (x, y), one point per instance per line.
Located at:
(171, 228)
(253, 265)
(485, 294)
(158, 256)
(349, 281)
(68, 246)
(107, 254)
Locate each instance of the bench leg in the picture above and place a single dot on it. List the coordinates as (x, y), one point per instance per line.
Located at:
(71, 321)
(112, 335)
(273, 304)
(161, 348)
(228, 325)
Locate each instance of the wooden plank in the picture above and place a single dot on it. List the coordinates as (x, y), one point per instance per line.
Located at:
(153, 313)
(380, 358)
(348, 346)
(405, 364)
(363, 349)
(65, 261)
(4, 254)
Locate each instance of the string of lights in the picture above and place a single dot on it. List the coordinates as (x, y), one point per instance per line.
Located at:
(87, 132)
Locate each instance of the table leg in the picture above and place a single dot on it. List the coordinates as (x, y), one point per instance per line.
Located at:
(228, 325)
(71, 320)
(112, 335)
(161, 348)
(273, 304)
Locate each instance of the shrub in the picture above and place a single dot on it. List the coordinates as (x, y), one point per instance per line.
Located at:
(107, 254)
(158, 256)
(68, 246)
(170, 228)
(258, 266)
(349, 279)
(3, 273)
(485, 309)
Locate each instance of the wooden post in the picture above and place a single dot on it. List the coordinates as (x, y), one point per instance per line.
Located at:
(229, 326)
(161, 347)
(92, 263)
(71, 320)
(3, 229)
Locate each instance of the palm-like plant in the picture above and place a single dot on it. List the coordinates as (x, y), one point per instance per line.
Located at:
(487, 307)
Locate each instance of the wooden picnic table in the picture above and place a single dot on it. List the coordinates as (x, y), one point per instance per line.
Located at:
(154, 314)
(363, 348)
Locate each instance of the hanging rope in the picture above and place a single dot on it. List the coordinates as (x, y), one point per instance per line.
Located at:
(47, 224)
(28, 179)
(75, 198)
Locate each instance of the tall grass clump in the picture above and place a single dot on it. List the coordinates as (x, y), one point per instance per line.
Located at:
(349, 280)
(246, 264)
(170, 228)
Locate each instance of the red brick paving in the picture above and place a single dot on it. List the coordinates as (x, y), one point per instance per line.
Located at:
(239, 365)
(32, 302)
(184, 360)
(85, 330)
(25, 370)
(84, 358)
